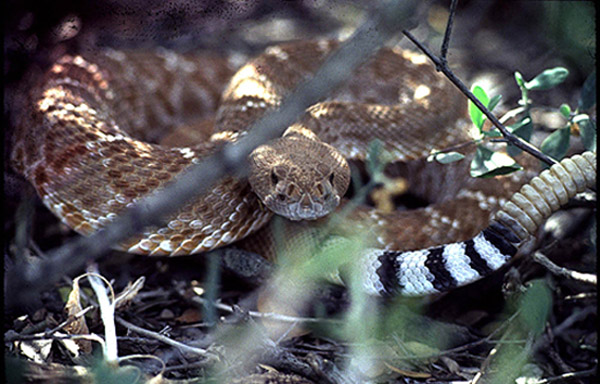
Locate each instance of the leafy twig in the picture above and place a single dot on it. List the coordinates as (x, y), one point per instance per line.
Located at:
(512, 139)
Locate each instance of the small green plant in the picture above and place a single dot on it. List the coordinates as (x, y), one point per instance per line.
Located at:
(556, 145)
(511, 360)
(489, 163)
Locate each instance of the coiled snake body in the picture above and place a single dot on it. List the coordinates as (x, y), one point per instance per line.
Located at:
(104, 129)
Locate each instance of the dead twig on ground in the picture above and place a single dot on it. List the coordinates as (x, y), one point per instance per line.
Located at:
(210, 356)
(587, 278)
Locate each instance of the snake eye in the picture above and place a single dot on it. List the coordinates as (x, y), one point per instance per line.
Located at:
(274, 178)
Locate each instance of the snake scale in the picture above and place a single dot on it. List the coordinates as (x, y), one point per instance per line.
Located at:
(102, 129)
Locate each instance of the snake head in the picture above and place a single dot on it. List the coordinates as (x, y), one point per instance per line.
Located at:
(299, 178)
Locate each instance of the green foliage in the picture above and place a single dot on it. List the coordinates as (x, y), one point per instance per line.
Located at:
(535, 305)
(104, 372)
(570, 28)
(475, 113)
(547, 79)
(565, 110)
(531, 310)
(587, 129)
(488, 163)
(519, 79)
(587, 98)
(557, 144)
(523, 129)
(494, 102)
(447, 157)
(485, 164)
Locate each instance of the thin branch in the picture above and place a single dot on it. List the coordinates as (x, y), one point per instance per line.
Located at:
(514, 140)
(267, 315)
(561, 271)
(163, 366)
(567, 376)
(90, 337)
(155, 335)
(50, 333)
(582, 296)
(25, 281)
(446, 42)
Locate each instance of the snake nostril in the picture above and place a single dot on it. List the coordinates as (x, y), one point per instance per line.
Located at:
(291, 189)
(320, 189)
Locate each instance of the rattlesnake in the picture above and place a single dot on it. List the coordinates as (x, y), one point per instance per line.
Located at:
(87, 142)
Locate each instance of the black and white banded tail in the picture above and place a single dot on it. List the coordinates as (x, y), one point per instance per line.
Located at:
(444, 267)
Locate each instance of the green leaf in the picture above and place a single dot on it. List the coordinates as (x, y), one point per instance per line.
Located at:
(547, 79)
(494, 102)
(565, 110)
(474, 112)
(488, 163)
(587, 129)
(494, 132)
(523, 128)
(519, 79)
(104, 372)
(535, 305)
(557, 144)
(448, 157)
(587, 98)
(413, 348)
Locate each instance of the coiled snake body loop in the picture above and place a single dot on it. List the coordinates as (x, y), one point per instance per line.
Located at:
(103, 129)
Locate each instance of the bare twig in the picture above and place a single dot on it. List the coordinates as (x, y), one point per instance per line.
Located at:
(25, 281)
(561, 271)
(446, 42)
(512, 139)
(90, 337)
(163, 366)
(582, 296)
(50, 333)
(567, 376)
(155, 335)
(267, 315)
